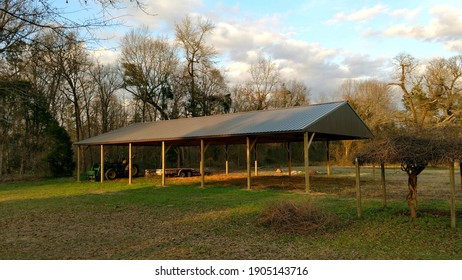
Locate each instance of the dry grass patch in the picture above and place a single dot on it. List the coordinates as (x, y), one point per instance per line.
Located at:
(299, 217)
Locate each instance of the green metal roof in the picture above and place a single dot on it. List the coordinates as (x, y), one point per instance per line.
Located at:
(330, 121)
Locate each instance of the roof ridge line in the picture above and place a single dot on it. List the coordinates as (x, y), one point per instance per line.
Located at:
(253, 111)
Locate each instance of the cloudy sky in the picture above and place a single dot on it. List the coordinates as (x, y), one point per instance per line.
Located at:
(318, 42)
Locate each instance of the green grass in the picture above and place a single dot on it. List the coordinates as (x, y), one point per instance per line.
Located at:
(62, 219)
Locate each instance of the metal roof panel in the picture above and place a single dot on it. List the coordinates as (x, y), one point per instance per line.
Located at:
(296, 119)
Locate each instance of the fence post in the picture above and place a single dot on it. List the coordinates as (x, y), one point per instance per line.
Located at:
(101, 172)
(452, 185)
(358, 189)
(383, 183)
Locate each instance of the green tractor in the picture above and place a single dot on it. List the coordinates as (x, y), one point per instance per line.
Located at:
(112, 171)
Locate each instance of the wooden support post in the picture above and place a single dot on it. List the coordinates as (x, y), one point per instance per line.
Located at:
(328, 158)
(248, 163)
(289, 159)
(358, 189)
(452, 185)
(129, 163)
(306, 149)
(101, 172)
(460, 172)
(256, 159)
(382, 181)
(202, 164)
(78, 163)
(163, 164)
(226, 160)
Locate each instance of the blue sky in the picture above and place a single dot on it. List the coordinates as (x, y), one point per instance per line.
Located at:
(320, 43)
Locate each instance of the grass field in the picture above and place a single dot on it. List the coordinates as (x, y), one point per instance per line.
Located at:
(63, 219)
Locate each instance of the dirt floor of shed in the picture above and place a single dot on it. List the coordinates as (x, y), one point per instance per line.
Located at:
(432, 182)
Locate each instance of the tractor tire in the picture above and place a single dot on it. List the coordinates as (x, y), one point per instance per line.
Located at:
(135, 170)
(188, 174)
(110, 174)
(182, 174)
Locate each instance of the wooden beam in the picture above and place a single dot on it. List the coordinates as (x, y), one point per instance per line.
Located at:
(255, 158)
(460, 172)
(253, 143)
(167, 148)
(101, 172)
(226, 160)
(306, 149)
(248, 146)
(130, 163)
(289, 159)
(78, 163)
(358, 189)
(311, 139)
(328, 158)
(452, 186)
(163, 164)
(202, 164)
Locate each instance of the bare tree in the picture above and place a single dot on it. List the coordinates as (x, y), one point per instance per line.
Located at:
(443, 85)
(373, 100)
(45, 83)
(431, 92)
(191, 35)
(214, 97)
(290, 93)
(66, 63)
(407, 77)
(414, 153)
(264, 80)
(20, 20)
(149, 66)
(257, 93)
(107, 81)
(41, 71)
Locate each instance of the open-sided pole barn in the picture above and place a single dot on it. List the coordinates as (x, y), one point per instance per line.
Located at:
(321, 122)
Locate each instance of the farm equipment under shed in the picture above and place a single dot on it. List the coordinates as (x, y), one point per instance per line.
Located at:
(181, 172)
(112, 171)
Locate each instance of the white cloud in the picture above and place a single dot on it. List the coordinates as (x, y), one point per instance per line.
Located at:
(105, 56)
(297, 59)
(444, 26)
(237, 72)
(407, 14)
(364, 14)
(363, 66)
(454, 45)
(447, 22)
(161, 15)
(239, 38)
(322, 69)
(403, 30)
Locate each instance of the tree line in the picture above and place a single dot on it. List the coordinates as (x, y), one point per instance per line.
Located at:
(50, 80)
